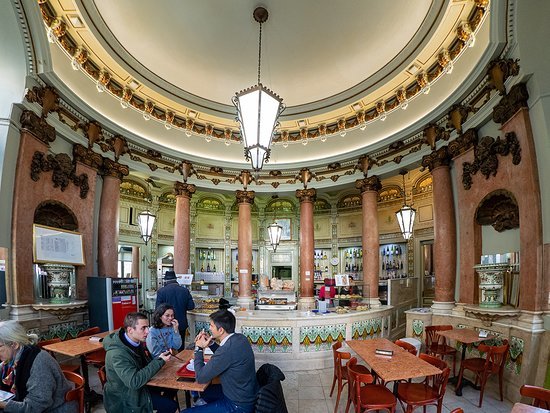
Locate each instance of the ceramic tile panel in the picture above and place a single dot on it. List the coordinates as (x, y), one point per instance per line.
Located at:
(418, 329)
(321, 338)
(365, 329)
(64, 331)
(202, 325)
(517, 346)
(269, 339)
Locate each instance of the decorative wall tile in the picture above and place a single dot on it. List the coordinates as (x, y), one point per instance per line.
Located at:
(320, 338)
(269, 339)
(517, 345)
(365, 329)
(64, 331)
(418, 329)
(202, 325)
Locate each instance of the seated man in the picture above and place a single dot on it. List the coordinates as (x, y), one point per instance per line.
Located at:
(129, 367)
(232, 362)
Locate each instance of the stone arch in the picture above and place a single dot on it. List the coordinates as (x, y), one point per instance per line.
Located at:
(55, 214)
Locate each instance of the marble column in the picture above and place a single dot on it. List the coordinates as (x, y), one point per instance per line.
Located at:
(135, 262)
(444, 230)
(107, 248)
(369, 188)
(182, 230)
(245, 199)
(307, 246)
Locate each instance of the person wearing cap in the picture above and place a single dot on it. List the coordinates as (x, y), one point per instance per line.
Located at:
(178, 297)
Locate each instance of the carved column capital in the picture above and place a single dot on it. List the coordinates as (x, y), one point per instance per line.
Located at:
(372, 183)
(463, 143)
(440, 157)
(37, 126)
(87, 156)
(245, 196)
(511, 103)
(184, 189)
(306, 195)
(114, 169)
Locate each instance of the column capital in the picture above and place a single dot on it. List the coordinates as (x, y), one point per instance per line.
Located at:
(245, 196)
(305, 195)
(372, 183)
(511, 103)
(87, 156)
(114, 169)
(184, 189)
(439, 157)
(38, 127)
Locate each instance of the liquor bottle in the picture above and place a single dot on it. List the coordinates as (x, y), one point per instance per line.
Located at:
(324, 255)
(214, 269)
(326, 268)
(202, 268)
(383, 265)
(361, 253)
(383, 251)
(208, 267)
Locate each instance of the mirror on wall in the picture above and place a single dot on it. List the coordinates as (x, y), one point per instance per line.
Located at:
(428, 275)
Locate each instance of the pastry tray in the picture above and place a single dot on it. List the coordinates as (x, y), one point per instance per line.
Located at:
(184, 372)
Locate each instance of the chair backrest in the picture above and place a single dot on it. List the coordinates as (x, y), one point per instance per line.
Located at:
(356, 379)
(102, 374)
(78, 392)
(339, 367)
(438, 381)
(457, 410)
(43, 343)
(496, 357)
(89, 332)
(407, 346)
(432, 337)
(541, 396)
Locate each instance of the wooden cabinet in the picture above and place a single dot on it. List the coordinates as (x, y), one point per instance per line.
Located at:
(321, 265)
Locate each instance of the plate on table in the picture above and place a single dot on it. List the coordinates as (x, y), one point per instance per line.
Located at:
(186, 371)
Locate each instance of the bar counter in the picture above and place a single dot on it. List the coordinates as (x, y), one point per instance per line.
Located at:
(299, 340)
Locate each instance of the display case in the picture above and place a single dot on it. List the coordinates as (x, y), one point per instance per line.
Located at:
(351, 262)
(276, 300)
(235, 265)
(321, 265)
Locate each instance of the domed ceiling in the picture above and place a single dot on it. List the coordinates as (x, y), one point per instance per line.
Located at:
(345, 70)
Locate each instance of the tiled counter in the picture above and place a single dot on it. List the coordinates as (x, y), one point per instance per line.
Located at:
(298, 340)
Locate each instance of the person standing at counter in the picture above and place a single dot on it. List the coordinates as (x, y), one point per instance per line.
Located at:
(178, 297)
(164, 335)
(232, 362)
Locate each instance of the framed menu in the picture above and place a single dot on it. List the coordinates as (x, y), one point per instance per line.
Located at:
(57, 246)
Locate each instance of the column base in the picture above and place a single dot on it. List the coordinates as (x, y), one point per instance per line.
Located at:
(374, 302)
(443, 307)
(458, 310)
(21, 312)
(306, 303)
(246, 302)
(531, 320)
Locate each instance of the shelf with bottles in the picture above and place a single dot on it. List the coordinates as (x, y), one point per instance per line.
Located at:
(209, 260)
(351, 262)
(393, 261)
(321, 265)
(235, 264)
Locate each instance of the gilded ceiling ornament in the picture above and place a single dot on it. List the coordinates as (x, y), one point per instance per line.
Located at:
(168, 119)
(381, 110)
(189, 123)
(80, 56)
(245, 177)
(401, 96)
(209, 129)
(465, 33)
(284, 138)
(126, 97)
(305, 176)
(499, 71)
(445, 62)
(342, 127)
(423, 82)
(103, 80)
(58, 27)
(148, 107)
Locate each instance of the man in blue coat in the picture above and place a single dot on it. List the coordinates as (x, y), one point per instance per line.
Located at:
(178, 297)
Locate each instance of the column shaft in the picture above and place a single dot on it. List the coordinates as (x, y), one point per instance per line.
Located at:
(135, 262)
(107, 248)
(182, 227)
(245, 200)
(307, 242)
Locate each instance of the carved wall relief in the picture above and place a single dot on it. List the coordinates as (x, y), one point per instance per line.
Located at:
(500, 210)
(55, 214)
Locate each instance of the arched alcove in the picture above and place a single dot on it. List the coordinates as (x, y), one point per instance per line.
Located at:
(55, 214)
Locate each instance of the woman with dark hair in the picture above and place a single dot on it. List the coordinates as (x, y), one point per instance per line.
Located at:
(164, 334)
(32, 375)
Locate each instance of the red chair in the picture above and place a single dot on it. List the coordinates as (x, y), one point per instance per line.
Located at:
(437, 345)
(102, 374)
(540, 395)
(78, 392)
(89, 332)
(484, 367)
(365, 395)
(340, 374)
(95, 358)
(457, 410)
(430, 392)
(75, 368)
(407, 346)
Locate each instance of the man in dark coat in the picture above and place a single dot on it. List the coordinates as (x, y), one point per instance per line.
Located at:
(178, 297)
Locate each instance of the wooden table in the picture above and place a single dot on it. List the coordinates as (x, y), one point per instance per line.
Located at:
(79, 347)
(401, 366)
(166, 377)
(465, 336)
(525, 408)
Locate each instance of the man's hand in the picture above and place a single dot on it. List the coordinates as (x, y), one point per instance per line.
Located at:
(165, 356)
(203, 340)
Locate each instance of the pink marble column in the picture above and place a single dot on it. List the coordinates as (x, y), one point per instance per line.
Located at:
(182, 229)
(245, 199)
(135, 262)
(369, 196)
(307, 244)
(444, 229)
(107, 248)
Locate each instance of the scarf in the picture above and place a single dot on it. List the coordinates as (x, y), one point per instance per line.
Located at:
(7, 371)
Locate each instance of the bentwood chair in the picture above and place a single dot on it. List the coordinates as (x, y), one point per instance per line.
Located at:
(406, 346)
(95, 358)
(102, 374)
(437, 345)
(78, 392)
(457, 410)
(541, 396)
(484, 367)
(75, 368)
(430, 392)
(365, 395)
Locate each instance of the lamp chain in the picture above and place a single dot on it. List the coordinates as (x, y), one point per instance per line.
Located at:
(404, 190)
(260, 54)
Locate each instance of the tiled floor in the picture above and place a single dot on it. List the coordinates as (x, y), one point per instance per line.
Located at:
(309, 393)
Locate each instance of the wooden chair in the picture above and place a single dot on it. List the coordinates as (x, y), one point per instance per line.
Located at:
(75, 368)
(457, 410)
(407, 346)
(102, 374)
(430, 392)
(78, 392)
(437, 345)
(365, 395)
(484, 367)
(540, 395)
(95, 358)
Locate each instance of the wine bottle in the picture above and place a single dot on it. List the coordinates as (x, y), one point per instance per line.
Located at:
(214, 269)
(208, 267)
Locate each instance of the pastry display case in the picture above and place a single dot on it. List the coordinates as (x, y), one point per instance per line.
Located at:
(276, 300)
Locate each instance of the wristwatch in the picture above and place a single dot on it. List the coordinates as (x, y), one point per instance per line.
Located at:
(197, 348)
